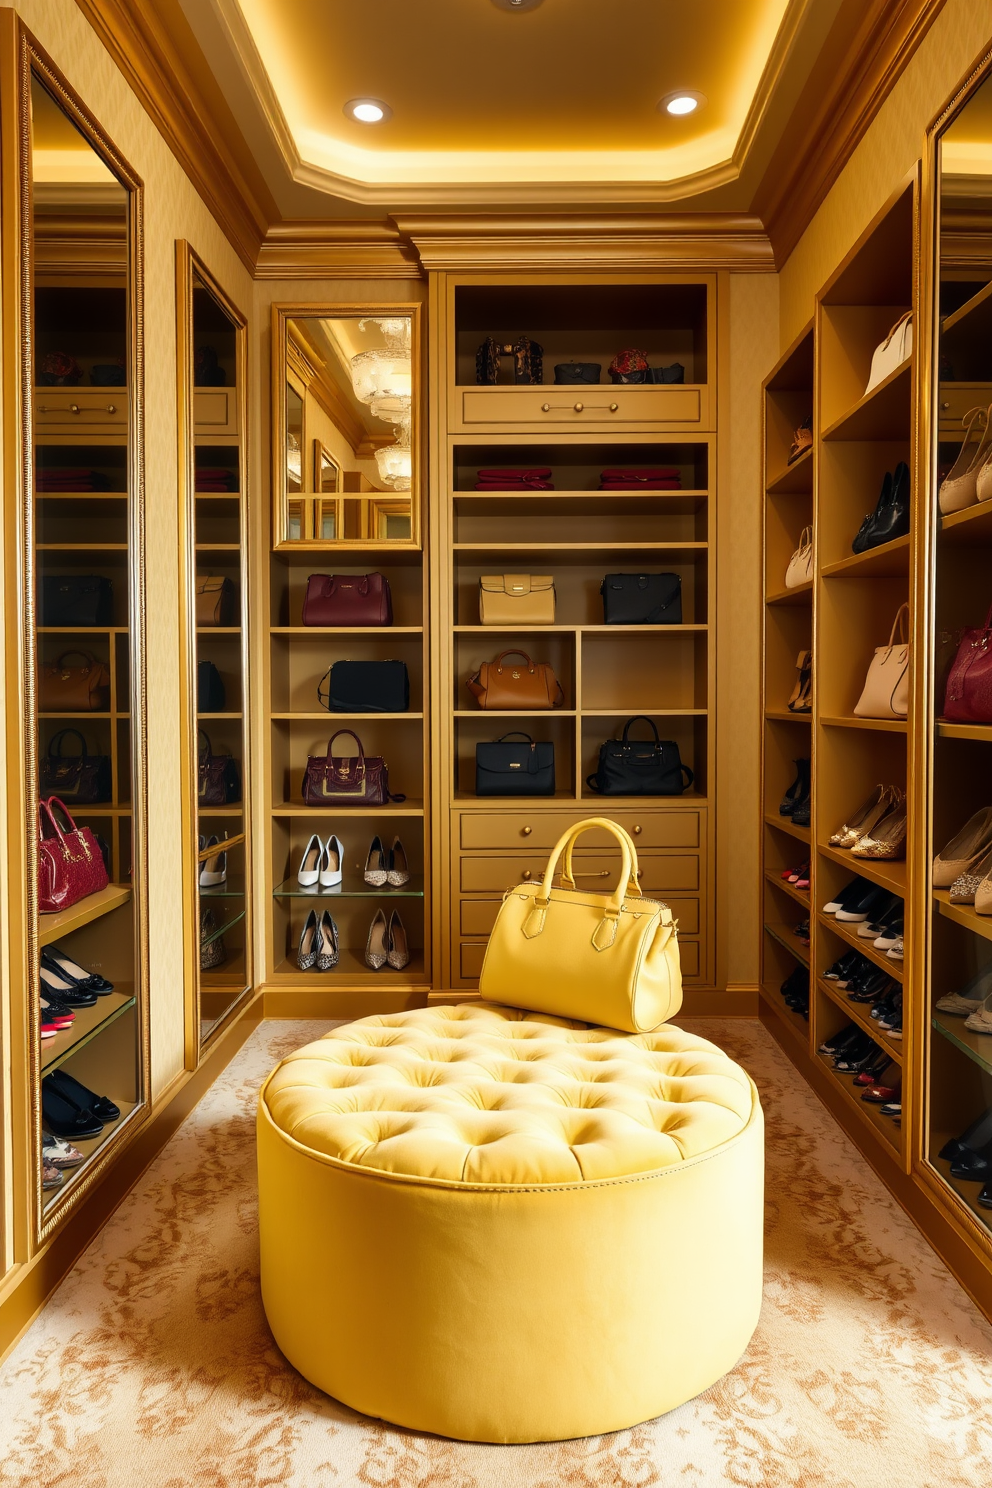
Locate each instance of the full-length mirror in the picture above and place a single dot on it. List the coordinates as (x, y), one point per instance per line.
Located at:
(959, 1108)
(345, 428)
(85, 738)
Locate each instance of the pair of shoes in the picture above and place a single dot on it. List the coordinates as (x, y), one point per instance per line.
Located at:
(61, 975)
(801, 700)
(861, 902)
(795, 991)
(383, 868)
(213, 870)
(387, 943)
(802, 440)
(970, 1154)
(797, 877)
(878, 829)
(965, 864)
(890, 519)
(55, 1017)
(322, 863)
(795, 802)
(959, 488)
(69, 1109)
(970, 997)
(802, 931)
(58, 1153)
(318, 943)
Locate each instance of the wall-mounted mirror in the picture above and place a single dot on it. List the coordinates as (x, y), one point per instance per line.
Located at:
(345, 425)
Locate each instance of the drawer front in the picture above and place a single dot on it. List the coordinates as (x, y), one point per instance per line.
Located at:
(955, 399)
(81, 408)
(478, 916)
(661, 874)
(599, 407)
(215, 410)
(471, 954)
(689, 957)
(541, 829)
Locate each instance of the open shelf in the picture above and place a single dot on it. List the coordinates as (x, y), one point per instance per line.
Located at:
(883, 1126)
(846, 930)
(349, 889)
(783, 934)
(796, 479)
(796, 1026)
(89, 1147)
(877, 725)
(786, 824)
(801, 896)
(884, 413)
(890, 875)
(888, 560)
(800, 595)
(968, 528)
(963, 914)
(982, 732)
(53, 927)
(977, 1046)
(858, 1012)
(89, 1023)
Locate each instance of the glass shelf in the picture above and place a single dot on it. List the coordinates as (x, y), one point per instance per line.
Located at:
(206, 940)
(351, 888)
(977, 1046)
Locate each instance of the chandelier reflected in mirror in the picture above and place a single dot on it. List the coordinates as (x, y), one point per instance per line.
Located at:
(383, 378)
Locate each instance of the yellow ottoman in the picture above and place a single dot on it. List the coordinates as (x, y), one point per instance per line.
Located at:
(502, 1226)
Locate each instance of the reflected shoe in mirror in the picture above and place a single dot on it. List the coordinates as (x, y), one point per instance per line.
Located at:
(59, 1153)
(86, 981)
(877, 804)
(959, 488)
(377, 944)
(964, 850)
(65, 1116)
(56, 1015)
(332, 863)
(964, 889)
(980, 1021)
(50, 1176)
(398, 955)
(306, 955)
(880, 1095)
(968, 998)
(327, 947)
(376, 865)
(399, 868)
(213, 871)
(101, 1106)
(308, 873)
(55, 985)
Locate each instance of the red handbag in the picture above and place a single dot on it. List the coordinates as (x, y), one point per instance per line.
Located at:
(70, 864)
(347, 599)
(347, 779)
(968, 695)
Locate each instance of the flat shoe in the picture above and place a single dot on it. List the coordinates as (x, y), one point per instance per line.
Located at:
(71, 1089)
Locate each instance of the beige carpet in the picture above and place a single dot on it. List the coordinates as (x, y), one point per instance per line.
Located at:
(152, 1367)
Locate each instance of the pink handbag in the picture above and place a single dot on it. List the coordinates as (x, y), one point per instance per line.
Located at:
(968, 695)
(70, 864)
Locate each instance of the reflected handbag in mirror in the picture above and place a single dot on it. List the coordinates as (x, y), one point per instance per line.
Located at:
(215, 600)
(515, 765)
(75, 599)
(968, 694)
(640, 767)
(365, 687)
(210, 693)
(82, 778)
(70, 864)
(348, 599)
(74, 689)
(219, 783)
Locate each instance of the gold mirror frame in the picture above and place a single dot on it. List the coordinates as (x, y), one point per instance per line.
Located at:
(282, 314)
(22, 58)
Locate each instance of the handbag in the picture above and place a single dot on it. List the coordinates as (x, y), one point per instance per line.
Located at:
(347, 779)
(511, 685)
(528, 360)
(505, 768)
(213, 951)
(968, 694)
(74, 689)
(75, 599)
(609, 959)
(674, 372)
(210, 693)
(365, 687)
(517, 599)
(574, 373)
(640, 767)
(642, 599)
(892, 352)
(70, 864)
(347, 599)
(82, 778)
(214, 600)
(218, 780)
(886, 690)
(800, 569)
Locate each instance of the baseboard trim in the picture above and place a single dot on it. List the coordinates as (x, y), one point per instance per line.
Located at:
(33, 1282)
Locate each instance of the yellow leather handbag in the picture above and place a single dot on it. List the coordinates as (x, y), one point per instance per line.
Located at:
(601, 958)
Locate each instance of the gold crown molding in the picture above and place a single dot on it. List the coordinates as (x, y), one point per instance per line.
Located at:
(336, 250)
(140, 44)
(810, 158)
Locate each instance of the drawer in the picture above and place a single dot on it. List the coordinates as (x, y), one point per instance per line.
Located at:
(594, 407)
(689, 957)
(81, 408)
(478, 916)
(541, 829)
(660, 874)
(215, 410)
(471, 954)
(954, 399)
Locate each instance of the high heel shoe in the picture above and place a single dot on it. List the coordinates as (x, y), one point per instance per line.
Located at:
(377, 945)
(399, 868)
(798, 790)
(70, 971)
(308, 873)
(801, 700)
(872, 811)
(332, 863)
(964, 850)
(886, 841)
(398, 954)
(959, 488)
(965, 887)
(213, 871)
(376, 865)
(306, 955)
(327, 938)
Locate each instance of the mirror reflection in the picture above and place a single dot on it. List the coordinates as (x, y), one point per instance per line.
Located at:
(348, 430)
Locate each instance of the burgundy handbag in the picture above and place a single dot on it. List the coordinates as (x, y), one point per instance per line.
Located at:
(968, 695)
(347, 779)
(348, 599)
(70, 864)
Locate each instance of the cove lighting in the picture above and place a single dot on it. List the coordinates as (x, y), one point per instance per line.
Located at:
(367, 110)
(681, 103)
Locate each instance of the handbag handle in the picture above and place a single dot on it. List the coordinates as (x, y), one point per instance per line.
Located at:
(901, 624)
(46, 808)
(906, 315)
(55, 744)
(805, 539)
(513, 734)
(498, 663)
(641, 718)
(351, 734)
(606, 931)
(204, 754)
(568, 876)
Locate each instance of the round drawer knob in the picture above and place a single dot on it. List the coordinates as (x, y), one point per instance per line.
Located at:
(111, 407)
(545, 407)
(637, 831)
(526, 875)
(73, 407)
(579, 407)
(944, 407)
(614, 407)
(526, 831)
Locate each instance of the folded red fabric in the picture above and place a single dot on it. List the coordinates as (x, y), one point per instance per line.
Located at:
(503, 475)
(535, 485)
(653, 485)
(662, 472)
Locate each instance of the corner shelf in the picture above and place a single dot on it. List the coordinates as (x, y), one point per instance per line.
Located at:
(53, 927)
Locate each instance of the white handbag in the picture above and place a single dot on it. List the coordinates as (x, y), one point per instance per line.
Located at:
(892, 352)
(886, 689)
(800, 569)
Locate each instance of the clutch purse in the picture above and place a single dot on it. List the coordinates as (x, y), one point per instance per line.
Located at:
(515, 765)
(517, 599)
(576, 373)
(365, 687)
(70, 864)
(347, 779)
(526, 685)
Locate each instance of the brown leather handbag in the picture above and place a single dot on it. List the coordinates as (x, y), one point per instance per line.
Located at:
(74, 689)
(516, 685)
(214, 600)
(347, 779)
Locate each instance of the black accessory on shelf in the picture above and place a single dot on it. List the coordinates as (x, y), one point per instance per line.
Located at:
(65, 1116)
(78, 976)
(515, 765)
(82, 778)
(219, 782)
(642, 599)
(528, 360)
(72, 1089)
(798, 791)
(109, 374)
(890, 519)
(210, 694)
(365, 687)
(675, 372)
(576, 373)
(74, 600)
(640, 767)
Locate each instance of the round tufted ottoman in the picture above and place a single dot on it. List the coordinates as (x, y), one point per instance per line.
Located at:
(502, 1226)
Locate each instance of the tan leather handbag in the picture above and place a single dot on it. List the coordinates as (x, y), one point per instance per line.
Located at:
(609, 958)
(800, 569)
(517, 599)
(74, 689)
(511, 685)
(214, 600)
(886, 689)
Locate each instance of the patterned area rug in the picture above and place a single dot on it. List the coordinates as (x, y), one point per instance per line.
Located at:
(152, 1367)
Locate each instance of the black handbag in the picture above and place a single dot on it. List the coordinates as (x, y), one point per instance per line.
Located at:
(75, 599)
(642, 599)
(219, 783)
(578, 372)
(365, 687)
(673, 373)
(640, 767)
(81, 778)
(522, 767)
(210, 694)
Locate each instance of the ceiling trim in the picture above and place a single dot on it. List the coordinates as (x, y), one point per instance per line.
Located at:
(336, 250)
(142, 48)
(875, 58)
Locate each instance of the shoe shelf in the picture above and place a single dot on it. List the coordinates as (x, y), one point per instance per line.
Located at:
(864, 1112)
(54, 927)
(801, 896)
(977, 1046)
(796, 1026)
(783, 934)
(884, 413)
(88, 1023)
(351, 970)
(324, 818)
(968, 527)
(966, 1190)
(224, 928)
(785, 715)
(888, 560)
(873, 725)
(785, 824)
(90, 1147)
(981, 732)
(857, 1012)
(848, 933)
(890, 875)
(350, 889)
(963, 914)
(800, 595)
(796, 479)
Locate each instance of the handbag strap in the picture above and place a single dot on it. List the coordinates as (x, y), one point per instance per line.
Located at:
(351, 734)
(805, 539)
(513, 734)
(204, 755)
(48, 807)
(641, 718)
(901, 624)
(55, 744)
(86, 655)
(606, 931)
(514, 651)
(906, 315)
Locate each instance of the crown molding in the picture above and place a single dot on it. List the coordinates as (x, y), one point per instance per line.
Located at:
(810, 159)
(336, 250)
(142, 47)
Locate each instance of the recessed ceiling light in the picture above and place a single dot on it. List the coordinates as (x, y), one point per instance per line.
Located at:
(368, 110)
(517, 4)
(684, 101)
